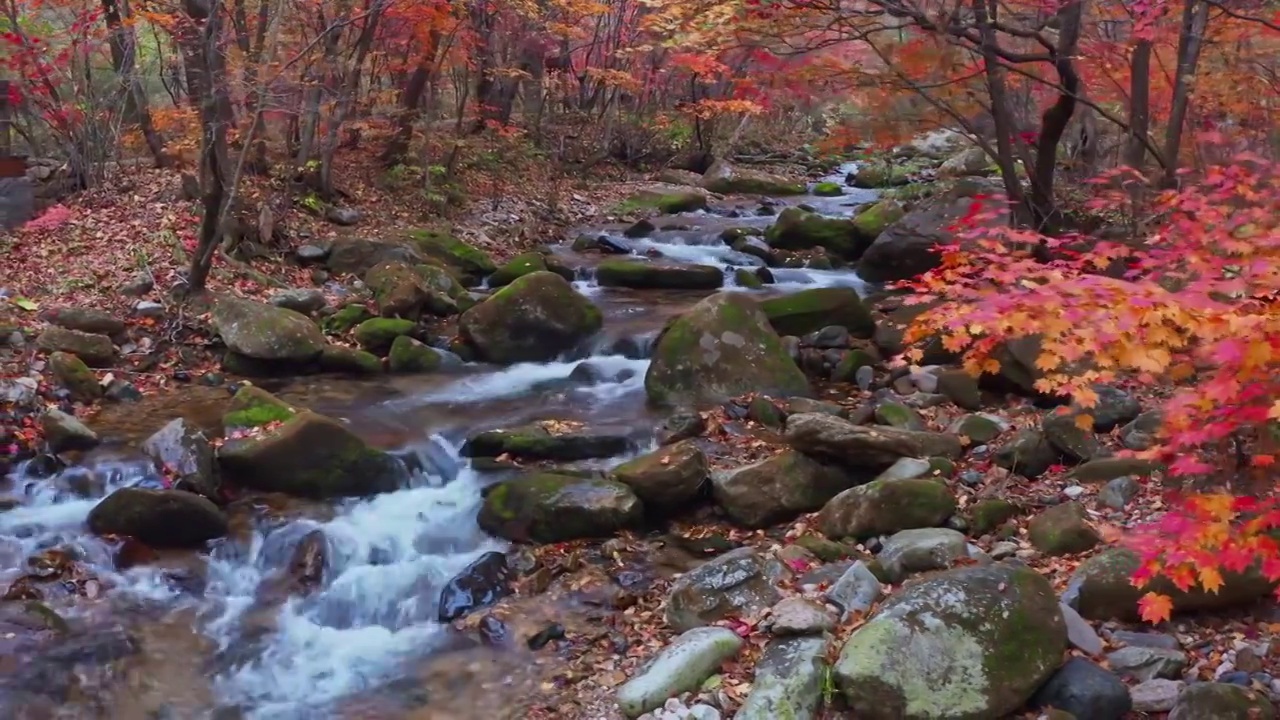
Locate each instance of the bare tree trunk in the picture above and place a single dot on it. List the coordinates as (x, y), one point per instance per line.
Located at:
(203, 54)
(347, 97)
(1001, 112)
(1195, 17)
(1135, 153)
(123, 42)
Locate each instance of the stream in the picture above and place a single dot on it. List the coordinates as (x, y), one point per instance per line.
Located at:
(211, 646)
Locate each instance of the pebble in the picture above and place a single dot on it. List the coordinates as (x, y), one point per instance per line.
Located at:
(148, 309)
(1155, 696)
(1003, 549)
(863, 377)
(1073, 491)
(800, 616)
(1079, 632)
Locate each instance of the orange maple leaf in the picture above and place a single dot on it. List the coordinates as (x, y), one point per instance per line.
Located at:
(1154, 607)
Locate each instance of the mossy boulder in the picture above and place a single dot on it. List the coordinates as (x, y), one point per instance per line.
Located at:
(747, 278)
(1062, 530)
(1221, 701)
(158, 518)
(469, 262)
(355, 255)
(967, 644)
(642, 275)
(870, 448)
(349, 361)
(517, 267)
(95, 350)
(869, 223)
(1101, 589)
(985, 516)
(1106, 469)
(550, 508)
(410, 356)
(726, 179)
(898, 415)
(797, 229)
(719, 349)
(881, 175)
(345, 319)
(666, 478)
(670, 203)
(266, 332)
(534, 319)
(537, 442)
(828, 189)
(377, 335)
(441, 280)
(73, 374)
(309, 455)
(253, 407)
(1027, 453)
(400, 291)
(779, 488)
(807, 311)
(886, 506)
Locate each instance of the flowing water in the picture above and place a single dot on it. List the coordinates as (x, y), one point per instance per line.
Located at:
(216, 642)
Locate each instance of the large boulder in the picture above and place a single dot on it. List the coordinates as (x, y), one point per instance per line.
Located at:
(534, 319)
(466, 261)
(865, 447)
(356, 255)
(869, 223)
(797, 229)
(182, 450)
(95, 350)
(158, 518)
(779, 488)
(886, 506)
(308, 455)
(400, 291)
(909, 247)
(967, 644)
(738, 583)
(721, 348)
(550, 508)
(666, 478)
(807, 311)
(266, 332)
(723, 177)
(644, 275)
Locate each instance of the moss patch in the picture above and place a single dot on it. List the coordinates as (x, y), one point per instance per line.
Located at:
(343, 320)
(253, 407)
(669, 203)
(470, 262)
(408, 355)
(828, 189)
(797, 229)
(808, 311)
(518, 266)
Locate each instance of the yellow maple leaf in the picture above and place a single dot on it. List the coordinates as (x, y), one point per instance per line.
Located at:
(1084, 422)
(1210, 579)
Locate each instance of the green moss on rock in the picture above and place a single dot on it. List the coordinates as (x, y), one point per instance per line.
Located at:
(377, 334)
(534, 442)
(828, 189)
(797, 229)
(519, 266)
(253, 407)
(987, 515)
(869, 223)
(886, 506)
(808, 311)
(670, 203)
(747, 278)
(345, 319)
(341, 359)
(410, 356)
(549, 508)
(468, 261)
(534, 319)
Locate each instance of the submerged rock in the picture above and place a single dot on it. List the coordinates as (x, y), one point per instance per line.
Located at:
(485, 581)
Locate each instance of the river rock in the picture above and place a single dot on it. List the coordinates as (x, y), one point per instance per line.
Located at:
(182, 450)
(1079, 632)
(253, 407)
(356, 255)
(534, 319)
(95, 350)
(779, 488)
(517, 267)
(307, 301)
(482, 583)
(863, 447)
(73, 374)
(681, 667)
(1147, 663)
(724, 178)
(348, 361)
(1068, 438)
(898, 415)
(411, 356)
(265, 332)
(799, 616)
(960, 388)
(466, 261)
(550, 508)
(906, 469)
(987, 515)
(919, 550)
(158, 518)
(1100, 589)
(1085, 690)
(797, 229)
(869, 223)
(1141, 433)
(1155, 696)
(966, 644)
(666, 478)
(309, 455)
(644, 275)
(808, 311)
(886, 506)
(85, 320)
(719, 349)
(536, 442)
(1104, 469)
(1221, 701)
(1027, 453)
(856, 590)
(1062, 530)
(399, 290)
(788, 681)
(978, 428)
(737, 583)
(908, 247)
(64, 432)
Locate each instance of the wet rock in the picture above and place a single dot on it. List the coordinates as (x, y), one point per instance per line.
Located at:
(667, 478)
(349, 361)
(779, 488)
(681, 667)
(807, 311)
(968, 643)
(681, 426)
(883, 507)
(719, 349)
(159, 518)
(1117, 493)
(536, 442)
(1085, 690)
(1220, 701)
(799, 616)
(377, 335)
(1147, 663)
(788, 681)
(95, 350)
(304, 300)
(309, 455)
(1027, 453)
(1155, 696)
(640, 274)
(482, 583)
(1062, 530)
(182, 449)
(872, 448)
(798, 229)
(1100, 589)
(919, 550)
(73, 374)
(265, 332)
(548, 508)
(410, 356)
(534, 319)
(856, 590)
(63, 432)
(738, 583)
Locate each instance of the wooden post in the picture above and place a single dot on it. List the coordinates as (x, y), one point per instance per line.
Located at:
(6, 120)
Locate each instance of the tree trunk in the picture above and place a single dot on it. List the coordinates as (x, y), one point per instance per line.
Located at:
(1195, 17)
(206, 66)
(123, 42)
(1135, 153)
